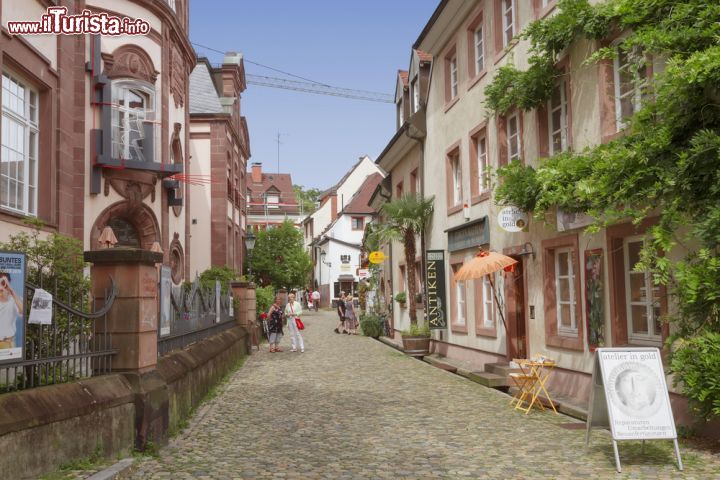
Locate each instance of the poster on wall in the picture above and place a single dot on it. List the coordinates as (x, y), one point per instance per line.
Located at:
(41, 308)
(218, 290)
(594, 298)
(165, 305)
(12, 303)
(435, 275)
(629, 395)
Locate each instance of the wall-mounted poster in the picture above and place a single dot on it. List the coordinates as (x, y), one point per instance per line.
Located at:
(12, 302)
(594, 298)
(165, 304)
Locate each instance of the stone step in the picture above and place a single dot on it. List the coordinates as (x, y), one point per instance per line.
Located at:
(489, 379)
(437, 362)
(500, 368)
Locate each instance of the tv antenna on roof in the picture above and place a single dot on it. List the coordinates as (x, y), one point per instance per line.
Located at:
(278, 149)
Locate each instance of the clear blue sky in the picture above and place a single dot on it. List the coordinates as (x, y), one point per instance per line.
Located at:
(358, 44)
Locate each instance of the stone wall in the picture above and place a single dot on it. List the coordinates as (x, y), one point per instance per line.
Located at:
(43, 428)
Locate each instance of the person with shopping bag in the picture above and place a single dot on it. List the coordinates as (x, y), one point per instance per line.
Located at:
(275, 324)
(293, 310)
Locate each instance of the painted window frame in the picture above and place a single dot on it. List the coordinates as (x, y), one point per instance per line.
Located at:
(517, 137)
(458, 308)
(28, 121)
(563, 128)
(635, 94)
(651, 304)
(353, 221)
(562, 329)
(415, 93)
(512, 26)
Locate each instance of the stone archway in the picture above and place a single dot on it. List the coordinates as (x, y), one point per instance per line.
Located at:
(140, 227)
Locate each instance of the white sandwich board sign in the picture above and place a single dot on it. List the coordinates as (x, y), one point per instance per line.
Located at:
(629, 395)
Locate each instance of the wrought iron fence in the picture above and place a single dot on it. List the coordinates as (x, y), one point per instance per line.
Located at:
(196, 312)
(75, 345)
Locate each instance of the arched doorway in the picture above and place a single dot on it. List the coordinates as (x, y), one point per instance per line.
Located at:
(134, 226)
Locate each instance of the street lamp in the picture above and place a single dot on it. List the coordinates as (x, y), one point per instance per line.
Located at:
(322, 259)
(249, 245)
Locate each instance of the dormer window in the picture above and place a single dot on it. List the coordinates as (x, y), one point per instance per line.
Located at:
(415, 92)
(401, 116)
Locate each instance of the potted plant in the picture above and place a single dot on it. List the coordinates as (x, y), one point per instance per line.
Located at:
(401, 298)
(416, 340)
(371, 325)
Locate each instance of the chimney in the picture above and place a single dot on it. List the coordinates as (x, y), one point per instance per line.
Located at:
(231, 74)
(257, 172)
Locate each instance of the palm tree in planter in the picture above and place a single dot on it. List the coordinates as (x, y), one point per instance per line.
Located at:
(403, 219)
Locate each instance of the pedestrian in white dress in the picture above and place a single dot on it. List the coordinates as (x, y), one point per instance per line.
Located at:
(294, 309)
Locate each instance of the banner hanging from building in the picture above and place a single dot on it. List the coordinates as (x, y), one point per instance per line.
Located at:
(435, 279)
(165, 304)
(12, 302)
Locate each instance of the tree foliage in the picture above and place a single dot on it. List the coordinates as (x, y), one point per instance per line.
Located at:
(666, 163)
(403, 219)
(279, 258)
(307, 198)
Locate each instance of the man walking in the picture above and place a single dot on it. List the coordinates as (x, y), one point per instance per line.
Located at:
(316, 299)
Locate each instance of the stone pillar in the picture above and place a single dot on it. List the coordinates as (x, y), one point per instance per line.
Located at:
(245, 314)
(133, 322)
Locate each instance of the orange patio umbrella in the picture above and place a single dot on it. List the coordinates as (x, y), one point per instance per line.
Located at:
(486, 263)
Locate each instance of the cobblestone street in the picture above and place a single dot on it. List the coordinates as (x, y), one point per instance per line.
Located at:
(351, 407)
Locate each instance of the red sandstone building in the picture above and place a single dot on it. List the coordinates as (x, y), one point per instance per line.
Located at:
(96, 133)
(271, 199)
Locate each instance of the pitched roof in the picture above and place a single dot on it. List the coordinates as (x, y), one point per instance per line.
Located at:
(334, 188)
(203, 95)
(403, 74)
(279, 181)
(360, 202)
(424, 57)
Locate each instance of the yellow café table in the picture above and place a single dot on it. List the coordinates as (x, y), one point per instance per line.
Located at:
(530, 382)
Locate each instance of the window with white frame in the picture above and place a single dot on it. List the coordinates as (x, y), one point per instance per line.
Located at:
(415, 95)
(132, 105)
(460, 302)
(565, 294)
(456, 179)
(273, 200)
(453, 77)
(483, 164)
(401, 113)
(509, 14)
(558, 119)
(642, 297)
(479, 46)
(487, 303)
(19, 151)
(513, 136)
(630, 78)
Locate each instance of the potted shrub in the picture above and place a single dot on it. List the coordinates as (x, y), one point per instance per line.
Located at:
(401, 298)
(371, 325)
(416, 340)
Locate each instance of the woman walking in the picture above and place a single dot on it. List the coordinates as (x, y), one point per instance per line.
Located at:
(293, 310)
(275, 322)
(341, 314)
(351, 322)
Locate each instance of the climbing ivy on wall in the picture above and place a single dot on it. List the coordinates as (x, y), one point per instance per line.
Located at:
(666, 163)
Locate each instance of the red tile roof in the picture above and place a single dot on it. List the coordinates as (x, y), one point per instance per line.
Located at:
(424, 57)
(280, 182)
(403, 74)
(360, 203)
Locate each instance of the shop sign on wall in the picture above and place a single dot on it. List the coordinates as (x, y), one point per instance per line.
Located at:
(435, 275)
(512, 219)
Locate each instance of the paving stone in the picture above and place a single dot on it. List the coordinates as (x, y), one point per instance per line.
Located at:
(351, 407)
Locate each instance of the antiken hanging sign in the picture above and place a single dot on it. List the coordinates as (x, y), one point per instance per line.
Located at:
(435, 275)
(629, 395)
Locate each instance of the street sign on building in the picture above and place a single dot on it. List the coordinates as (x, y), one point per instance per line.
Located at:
(512, 219)
(376, 257)
(435, 278)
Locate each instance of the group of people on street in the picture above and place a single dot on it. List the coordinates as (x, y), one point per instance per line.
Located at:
(310, 299)
(347, 322)
(277, 317)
